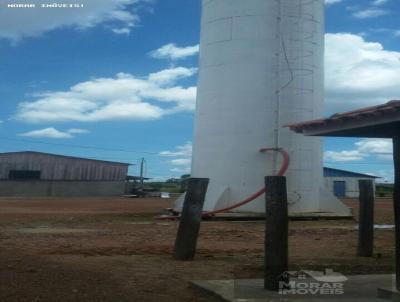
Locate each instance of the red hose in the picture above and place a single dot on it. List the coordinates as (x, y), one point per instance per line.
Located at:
(281, 172)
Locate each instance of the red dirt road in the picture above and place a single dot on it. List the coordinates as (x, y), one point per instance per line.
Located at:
(110, 249)
(78, 205)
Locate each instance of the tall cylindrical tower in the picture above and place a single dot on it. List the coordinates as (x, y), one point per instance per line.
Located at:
(261, 66)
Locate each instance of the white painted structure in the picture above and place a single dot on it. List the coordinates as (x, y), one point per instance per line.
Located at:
(344, 184)
(350, 184)
(261, 67)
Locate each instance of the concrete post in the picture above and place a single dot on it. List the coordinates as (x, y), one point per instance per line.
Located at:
(276, 233)
(189, 226)
(366, 219)
(396, 202)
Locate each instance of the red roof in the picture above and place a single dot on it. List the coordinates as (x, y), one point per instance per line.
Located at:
(339, 118)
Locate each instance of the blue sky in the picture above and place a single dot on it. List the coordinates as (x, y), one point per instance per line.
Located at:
(121, 75)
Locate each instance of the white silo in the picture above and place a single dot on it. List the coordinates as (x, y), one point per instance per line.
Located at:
(261, 67)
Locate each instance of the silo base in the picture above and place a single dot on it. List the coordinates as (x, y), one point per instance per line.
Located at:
(329, 206)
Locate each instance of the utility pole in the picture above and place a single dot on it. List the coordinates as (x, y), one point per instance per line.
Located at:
(141, 174)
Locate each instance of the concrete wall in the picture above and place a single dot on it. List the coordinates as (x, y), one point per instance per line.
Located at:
(352, 189)
(61, 188)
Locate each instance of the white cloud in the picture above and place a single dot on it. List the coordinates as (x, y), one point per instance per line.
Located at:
(53, 133)
(183, 161)
(124, 97)
(122, 31)
(118, 15)
(184, 150)
(78, 131)
(329, 2)
(346, 155)
(380, 30)
(173, 52)
(379, 2)
(181, 170)
(375, 146)
(169, 76)
(370, 13)
(359, 73)
(381, 148)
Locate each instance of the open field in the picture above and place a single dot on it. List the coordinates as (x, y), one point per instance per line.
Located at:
(110, 249)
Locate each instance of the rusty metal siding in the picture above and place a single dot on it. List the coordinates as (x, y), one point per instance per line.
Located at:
(55, 167)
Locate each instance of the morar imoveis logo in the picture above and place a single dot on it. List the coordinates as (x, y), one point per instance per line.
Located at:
(306, 282)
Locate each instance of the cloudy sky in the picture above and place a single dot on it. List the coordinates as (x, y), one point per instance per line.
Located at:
(116, 79)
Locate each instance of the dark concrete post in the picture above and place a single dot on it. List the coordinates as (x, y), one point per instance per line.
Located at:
(276, 233)
(189, 226)
(366, 218)
(396, 202)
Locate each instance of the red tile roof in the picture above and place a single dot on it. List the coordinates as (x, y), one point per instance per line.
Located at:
(338, 118)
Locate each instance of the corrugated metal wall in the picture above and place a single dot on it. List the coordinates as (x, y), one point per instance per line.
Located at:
(55, 167)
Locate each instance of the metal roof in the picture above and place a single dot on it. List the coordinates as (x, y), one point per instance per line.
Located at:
(377, 121)
(63, 156)
(331, 172)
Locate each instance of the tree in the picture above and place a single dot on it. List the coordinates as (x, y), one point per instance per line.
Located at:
(172, 180)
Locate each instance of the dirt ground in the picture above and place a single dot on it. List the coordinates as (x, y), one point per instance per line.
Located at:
(111, 249)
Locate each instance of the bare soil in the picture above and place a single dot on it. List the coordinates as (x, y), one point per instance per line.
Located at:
(111, 249)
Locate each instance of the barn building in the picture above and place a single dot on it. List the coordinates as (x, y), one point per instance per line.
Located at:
(344, 184)
(41, 174)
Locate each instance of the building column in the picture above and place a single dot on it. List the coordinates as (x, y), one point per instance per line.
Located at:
(366, 218)
(276, 233)
(396, 202)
